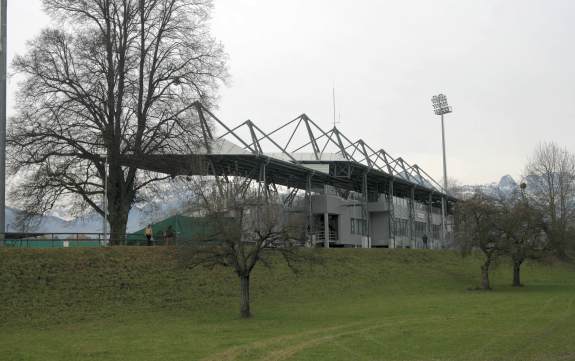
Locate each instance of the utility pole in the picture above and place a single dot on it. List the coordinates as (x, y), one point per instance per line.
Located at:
(3, 60)
(105, 203)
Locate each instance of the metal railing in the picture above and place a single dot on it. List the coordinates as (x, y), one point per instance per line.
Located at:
(321, 235)
(81, 239)
(53, 240)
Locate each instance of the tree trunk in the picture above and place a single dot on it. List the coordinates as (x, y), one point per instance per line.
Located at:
(517, 273)
(245, 296)
(485, 275)
(120, 198)
(561, 253)
(118, 223)
(556, 237)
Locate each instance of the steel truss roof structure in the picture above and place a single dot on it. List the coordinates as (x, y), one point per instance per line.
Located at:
(297, 146)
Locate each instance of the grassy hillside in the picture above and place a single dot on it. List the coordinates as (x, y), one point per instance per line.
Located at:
(142, 304)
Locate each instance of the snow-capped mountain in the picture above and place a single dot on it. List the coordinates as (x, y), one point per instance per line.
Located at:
(91, 223)
(502, 189)
(59, 220)
(45, 223)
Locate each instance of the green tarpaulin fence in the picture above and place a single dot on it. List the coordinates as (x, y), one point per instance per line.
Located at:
(185, 229)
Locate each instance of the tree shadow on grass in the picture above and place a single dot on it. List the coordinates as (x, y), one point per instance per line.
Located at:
(537, 288)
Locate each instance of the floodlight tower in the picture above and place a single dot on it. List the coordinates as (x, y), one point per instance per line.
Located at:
(440, 107)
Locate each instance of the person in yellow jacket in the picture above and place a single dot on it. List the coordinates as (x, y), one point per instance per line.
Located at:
(149, 233)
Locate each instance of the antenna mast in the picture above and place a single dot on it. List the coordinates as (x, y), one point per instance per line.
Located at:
(333, 106)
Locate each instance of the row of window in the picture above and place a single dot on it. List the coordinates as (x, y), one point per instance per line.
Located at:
(401, 229)
(436, 231)
(420, 229)
(358, 226)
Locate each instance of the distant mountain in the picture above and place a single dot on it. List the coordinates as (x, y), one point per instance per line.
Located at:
(507, 184)
(173, 200)
(91, 223)
(45, 223)
(59, 221)
(504, 188)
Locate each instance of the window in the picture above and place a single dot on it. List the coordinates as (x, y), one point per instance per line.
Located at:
(436, 231)
(358, 226)
(401, 227)
(420, 229)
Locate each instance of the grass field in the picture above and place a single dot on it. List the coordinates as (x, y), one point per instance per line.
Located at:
(140, 304)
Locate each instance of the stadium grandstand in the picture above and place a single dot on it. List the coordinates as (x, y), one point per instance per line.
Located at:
(350, 194)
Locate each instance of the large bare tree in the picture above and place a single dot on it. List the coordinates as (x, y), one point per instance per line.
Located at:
(550, 176)
(114, 77)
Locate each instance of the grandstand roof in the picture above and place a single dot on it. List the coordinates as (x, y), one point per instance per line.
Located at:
(305, 149)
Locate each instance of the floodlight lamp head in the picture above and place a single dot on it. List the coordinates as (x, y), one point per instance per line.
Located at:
(440, 105)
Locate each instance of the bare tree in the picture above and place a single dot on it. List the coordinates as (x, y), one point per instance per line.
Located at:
(522, 229)
(115, 77)
(550, 176)
(476, 228)
(454, 187)
(246, 226)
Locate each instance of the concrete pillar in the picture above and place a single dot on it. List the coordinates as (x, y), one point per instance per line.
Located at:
(412, 235)
(326, 227)
(391, 216)
(325, 219)
(309, 216)
(262, 181)
(364, 210)
(430, 240)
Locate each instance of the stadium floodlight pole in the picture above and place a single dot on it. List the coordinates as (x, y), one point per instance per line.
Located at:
(3, 60)
(440, 107)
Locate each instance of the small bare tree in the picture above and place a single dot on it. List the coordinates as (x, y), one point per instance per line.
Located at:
(245, 226)
(476, 228)
(550, 176)
(522, 228)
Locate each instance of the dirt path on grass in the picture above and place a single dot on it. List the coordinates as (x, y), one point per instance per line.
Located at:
(235, 352)
(285, 347)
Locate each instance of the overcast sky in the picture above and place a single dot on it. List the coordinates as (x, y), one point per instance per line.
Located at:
(507, 67)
